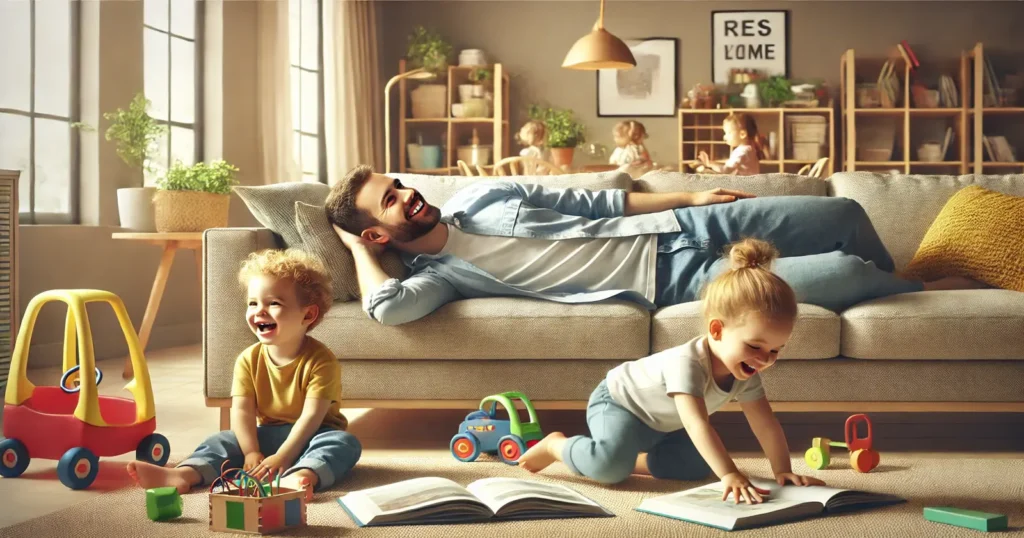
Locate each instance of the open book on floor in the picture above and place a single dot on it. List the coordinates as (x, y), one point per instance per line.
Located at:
(704, 505)
(438, 500)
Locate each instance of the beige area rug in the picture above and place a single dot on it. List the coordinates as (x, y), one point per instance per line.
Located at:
(992, 485)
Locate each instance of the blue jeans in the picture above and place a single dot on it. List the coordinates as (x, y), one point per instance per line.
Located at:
(829, 252)
(617, 437)
(330, 453)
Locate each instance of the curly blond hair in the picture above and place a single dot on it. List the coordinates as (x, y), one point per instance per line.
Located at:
(312, 282)
(532, 133)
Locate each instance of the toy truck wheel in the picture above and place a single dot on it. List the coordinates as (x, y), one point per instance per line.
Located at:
(510, 448)
(77, 468)
(864, 459)
(13, 458)
(465, 447)
(154, 448)
(816, 458)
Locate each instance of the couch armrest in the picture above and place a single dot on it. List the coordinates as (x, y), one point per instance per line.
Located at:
(225, 333)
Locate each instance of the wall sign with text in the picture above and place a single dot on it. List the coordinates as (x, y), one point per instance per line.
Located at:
(749, 40)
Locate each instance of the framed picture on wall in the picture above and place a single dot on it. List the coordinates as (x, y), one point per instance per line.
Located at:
(649, 89)
(757, 40)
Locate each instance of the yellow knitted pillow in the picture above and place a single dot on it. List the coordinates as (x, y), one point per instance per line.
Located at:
(979, 234)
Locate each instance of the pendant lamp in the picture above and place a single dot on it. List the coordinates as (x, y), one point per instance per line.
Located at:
(599, 50)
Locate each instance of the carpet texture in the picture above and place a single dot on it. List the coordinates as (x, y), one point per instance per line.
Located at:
(991, 485)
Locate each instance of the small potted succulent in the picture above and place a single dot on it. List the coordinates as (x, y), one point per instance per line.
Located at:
(564, 133)
(194, 198)
(430, 51)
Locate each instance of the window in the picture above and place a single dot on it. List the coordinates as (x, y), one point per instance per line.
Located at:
(305, 44)
(173, 80)
(38, 103)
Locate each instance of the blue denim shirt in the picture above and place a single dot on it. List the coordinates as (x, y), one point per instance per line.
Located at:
(509, 209)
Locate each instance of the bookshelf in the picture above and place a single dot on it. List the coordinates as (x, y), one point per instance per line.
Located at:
(893, 119)
(992, 118)
(449, 131)
(701, 130)
(8, 270)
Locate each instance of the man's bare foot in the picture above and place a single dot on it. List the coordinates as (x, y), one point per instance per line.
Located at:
(304, 479)
(544, 453)
(954, 283)
(151, 476)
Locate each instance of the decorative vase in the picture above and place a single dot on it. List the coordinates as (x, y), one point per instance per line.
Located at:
(135, 209)
(472, 57)
(429, 101)
(190, 211)
(431, 157)
(562, 157)
(469, 91)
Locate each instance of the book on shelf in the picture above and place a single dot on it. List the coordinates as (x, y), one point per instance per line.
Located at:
(912, 58)
(434, 500)
(946, 142)
(704, 505)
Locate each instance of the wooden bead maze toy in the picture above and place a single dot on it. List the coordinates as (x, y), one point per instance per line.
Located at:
(239, 502)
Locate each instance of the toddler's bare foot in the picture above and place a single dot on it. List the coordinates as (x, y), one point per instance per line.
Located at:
(304, 479)
(151, 476)
(954, 283)
(544, 453)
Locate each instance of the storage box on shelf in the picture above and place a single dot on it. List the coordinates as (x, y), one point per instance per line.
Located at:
(433, 145)
(801, 136)
(896, 122)
(997, 120)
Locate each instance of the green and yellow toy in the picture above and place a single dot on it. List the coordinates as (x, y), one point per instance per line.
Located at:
(862, 457)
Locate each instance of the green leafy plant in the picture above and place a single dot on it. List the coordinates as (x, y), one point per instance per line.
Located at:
(427, 49)
(563, 131)
(135, 132)
(775, 90)
(216, 178)
(479, 75)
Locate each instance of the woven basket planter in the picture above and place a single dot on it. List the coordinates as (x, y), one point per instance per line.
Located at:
(190, 211)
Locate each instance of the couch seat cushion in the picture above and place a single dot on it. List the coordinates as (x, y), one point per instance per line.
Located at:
(493, 328)
(816, 335)
(957, 325)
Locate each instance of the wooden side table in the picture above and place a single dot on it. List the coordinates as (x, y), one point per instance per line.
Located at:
(170, 242)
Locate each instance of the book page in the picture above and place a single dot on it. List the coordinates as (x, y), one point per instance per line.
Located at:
(498, 493)
(829, 497)
(389, 503)
(705, 505)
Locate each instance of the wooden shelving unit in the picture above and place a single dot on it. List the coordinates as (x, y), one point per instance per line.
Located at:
(906, 119)
(991, 119)
(8, 270)
(701, 130)
(493, 131)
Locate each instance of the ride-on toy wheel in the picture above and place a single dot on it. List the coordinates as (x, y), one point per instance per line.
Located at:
(816, 458)
(154, 448)
(465, 447)
(13, 458)
(77, 468)
(510, 448)
(864, 459)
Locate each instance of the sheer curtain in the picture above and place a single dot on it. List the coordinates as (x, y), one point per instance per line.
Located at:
(353, 113)
(274, 94)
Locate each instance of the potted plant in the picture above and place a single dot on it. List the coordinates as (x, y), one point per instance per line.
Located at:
(478, 78)
(775, 90)
(136, 134)
(194, 198)
(564, 133)
(430, 51)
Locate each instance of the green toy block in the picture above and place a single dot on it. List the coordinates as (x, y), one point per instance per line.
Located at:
(163, 503)
(971, 519)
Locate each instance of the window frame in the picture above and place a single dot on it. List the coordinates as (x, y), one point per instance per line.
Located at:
(321, 136)
(197, 126)
(29, 215)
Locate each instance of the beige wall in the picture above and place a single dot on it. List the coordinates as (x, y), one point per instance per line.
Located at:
(85, 256)
(531, 38)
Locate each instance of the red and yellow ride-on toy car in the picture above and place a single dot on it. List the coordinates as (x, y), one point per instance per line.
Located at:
(71, 422)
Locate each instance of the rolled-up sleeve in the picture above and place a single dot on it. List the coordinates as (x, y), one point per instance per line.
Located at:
(401, 301)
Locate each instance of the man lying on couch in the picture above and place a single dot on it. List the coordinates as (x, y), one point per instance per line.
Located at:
(500, 238)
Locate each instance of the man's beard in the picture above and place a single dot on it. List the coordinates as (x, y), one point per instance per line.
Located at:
(412, 230)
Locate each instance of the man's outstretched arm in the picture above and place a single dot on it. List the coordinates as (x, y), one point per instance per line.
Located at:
(638, 203)
(616, 202)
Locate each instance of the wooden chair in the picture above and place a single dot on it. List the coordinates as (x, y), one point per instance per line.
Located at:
(526, 166)
(467, 170)
(815, 170)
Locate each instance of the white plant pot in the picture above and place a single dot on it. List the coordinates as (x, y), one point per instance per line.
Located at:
(469, 91)
(430, 101)
(135, 209)
(415, 156)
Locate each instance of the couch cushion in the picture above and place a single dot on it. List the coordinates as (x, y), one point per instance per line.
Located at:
(436, 190)
(979, 234)
(761, 185)
(320, 240)
(902, 207)
(494, 328)
(957, 325)
(816, 335)
(274, 205)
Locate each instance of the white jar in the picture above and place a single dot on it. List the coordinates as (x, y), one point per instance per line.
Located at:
(471, 57)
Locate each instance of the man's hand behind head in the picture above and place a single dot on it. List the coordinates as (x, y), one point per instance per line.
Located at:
(353, 242)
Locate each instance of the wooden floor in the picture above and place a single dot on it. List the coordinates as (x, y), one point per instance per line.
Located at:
(183, 418)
